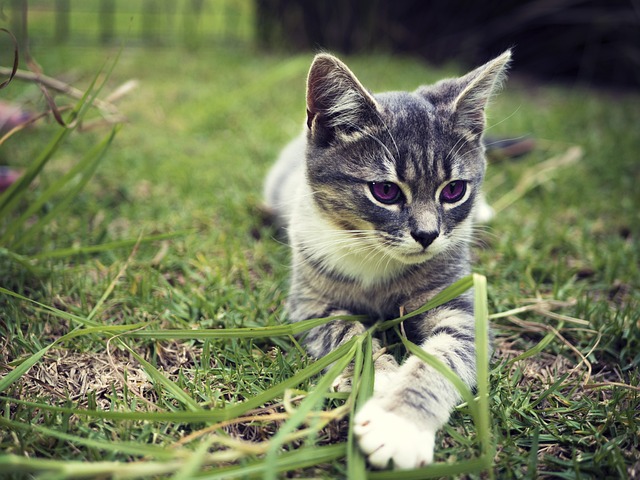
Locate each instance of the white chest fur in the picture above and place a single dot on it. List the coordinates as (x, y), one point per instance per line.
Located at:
(354, 254)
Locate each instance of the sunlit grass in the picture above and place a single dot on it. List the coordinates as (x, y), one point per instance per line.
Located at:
(162, 269)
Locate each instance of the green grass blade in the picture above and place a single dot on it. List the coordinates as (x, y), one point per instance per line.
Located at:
(84, 469)
(166, 383)
(540, 347)
(443, 370)
(24, 365)
(52, 310)
(13, 194)
(311, 401)
(302, 375)
(295, 460)
(483, 423)
(367, 379)
(129, 448)
(105, 247)
(16, 191)
(85, 168)
(532, 464)
(451, 292)
(290, 329)
(14, 375)
(363, 389)
(10, 198)
(215, 415)
(21, 260)
(549, 391)
(195, 463)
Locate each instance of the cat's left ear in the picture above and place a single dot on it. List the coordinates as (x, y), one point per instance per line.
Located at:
(337, 103)
(478, 87)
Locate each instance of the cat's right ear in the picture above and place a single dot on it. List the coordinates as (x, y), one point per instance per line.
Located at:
(337, 103)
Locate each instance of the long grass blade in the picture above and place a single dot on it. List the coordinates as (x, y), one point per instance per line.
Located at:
(52, 310)
(16, 191)
(85, 169)
(443, 370)
(215, 415)
(195, 463)
(159, 379)
(311, 401)
(13, 194)
(129, 448)
(290, 329)
(105, 247)
(537, 349)
(14, 375)
(24, 365)
(363, 382)
(21, 260)
(295, 460)
(69, 469)
(452, 291)
(481, 312)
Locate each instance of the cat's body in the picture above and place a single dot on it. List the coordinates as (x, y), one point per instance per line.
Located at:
(377, 197)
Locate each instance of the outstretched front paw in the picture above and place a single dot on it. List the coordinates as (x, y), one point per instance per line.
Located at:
(385, 437)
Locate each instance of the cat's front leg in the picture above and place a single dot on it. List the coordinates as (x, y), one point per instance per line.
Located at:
(323, 339)
(385, 368)
(399, 425)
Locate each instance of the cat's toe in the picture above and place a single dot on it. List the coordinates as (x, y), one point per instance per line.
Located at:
(384, 381)
(342, 383)
(386, 374)
(386, 437)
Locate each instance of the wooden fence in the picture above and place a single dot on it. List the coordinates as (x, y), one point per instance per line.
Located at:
(192, 23)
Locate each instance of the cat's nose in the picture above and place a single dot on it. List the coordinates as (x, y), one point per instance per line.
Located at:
(424, 238)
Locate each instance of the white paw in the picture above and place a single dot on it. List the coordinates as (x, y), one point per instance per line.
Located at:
(386, 437)
(383, 382)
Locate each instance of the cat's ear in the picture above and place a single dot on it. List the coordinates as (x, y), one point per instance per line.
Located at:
(477, 88)
(337, 103)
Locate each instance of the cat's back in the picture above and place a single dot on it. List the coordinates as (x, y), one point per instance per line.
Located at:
(284, 180)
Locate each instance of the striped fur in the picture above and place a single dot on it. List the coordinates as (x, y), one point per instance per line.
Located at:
(355, 254)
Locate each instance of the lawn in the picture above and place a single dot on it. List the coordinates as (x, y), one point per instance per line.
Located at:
(174, 204)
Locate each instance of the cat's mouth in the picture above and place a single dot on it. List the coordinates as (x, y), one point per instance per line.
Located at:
(415, 256)
(411, 253)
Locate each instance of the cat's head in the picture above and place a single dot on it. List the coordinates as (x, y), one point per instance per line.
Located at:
(401, 170)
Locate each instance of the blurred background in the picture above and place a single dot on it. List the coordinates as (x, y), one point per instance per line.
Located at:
(594, 42)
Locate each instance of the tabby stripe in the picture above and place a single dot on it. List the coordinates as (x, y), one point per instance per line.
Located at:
(416, 400)
(455, 333)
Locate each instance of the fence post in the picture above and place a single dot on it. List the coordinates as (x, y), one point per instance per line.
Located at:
(107, 20)
(62, 21)
(191, 19)
(18, 23)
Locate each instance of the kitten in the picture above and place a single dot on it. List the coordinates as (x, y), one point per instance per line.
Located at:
(377, 197)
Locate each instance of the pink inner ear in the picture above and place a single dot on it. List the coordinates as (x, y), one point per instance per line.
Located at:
(334, 93)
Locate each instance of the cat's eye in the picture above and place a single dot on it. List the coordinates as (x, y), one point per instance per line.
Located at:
(453, 191)
(385, 192)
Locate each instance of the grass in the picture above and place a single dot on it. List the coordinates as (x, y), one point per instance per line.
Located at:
(148, 358)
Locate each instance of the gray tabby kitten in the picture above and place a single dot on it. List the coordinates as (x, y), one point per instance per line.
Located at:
(378, 197)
